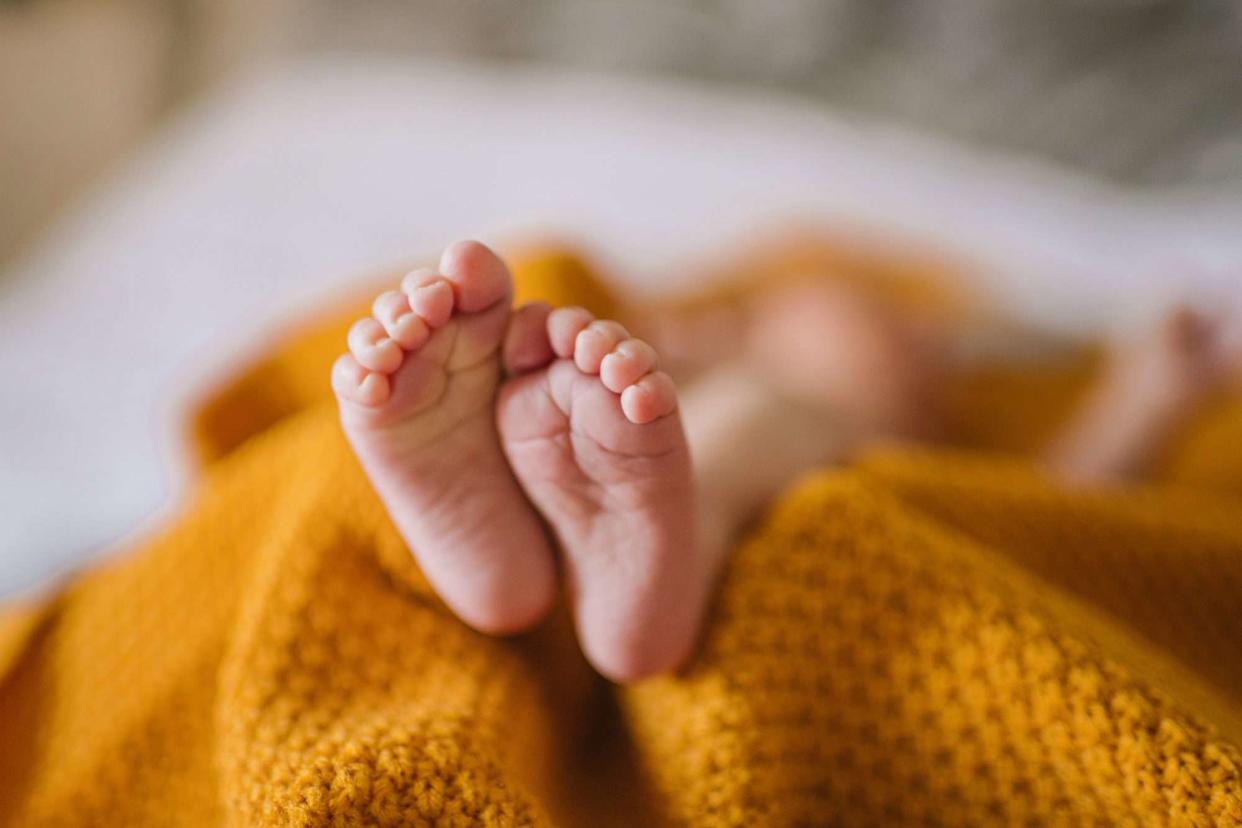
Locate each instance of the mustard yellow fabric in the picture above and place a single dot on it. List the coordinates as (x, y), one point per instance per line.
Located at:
(929, 637)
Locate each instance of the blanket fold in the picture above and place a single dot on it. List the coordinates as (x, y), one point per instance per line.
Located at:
(927, 637)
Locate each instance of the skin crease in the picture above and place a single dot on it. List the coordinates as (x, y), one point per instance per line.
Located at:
(459, 407)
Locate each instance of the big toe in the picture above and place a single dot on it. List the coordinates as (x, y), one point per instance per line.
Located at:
(479, 278)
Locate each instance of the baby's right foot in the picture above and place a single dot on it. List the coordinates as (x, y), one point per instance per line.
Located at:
(417, 397)
(592, 431)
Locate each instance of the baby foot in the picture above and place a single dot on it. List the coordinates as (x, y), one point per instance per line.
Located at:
(592, 432)
(417, 396)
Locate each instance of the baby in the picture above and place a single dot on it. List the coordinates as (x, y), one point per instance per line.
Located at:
(514, 447)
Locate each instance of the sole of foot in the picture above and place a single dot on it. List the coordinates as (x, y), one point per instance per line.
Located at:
(593, 434)
(417, 395)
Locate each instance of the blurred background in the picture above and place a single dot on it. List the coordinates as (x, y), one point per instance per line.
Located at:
(1147, 92)
(180, 177)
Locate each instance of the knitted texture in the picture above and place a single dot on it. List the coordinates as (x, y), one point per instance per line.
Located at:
(929, 637)
(868, 666)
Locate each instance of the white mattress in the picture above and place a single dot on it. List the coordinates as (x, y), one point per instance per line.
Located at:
(285, 187)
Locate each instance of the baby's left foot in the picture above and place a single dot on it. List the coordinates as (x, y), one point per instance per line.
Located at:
(417, 396)
(592, 432)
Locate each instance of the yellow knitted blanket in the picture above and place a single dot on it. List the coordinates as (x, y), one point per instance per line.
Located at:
(928, 637)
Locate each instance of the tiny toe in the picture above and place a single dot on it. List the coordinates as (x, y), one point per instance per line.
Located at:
(526, 345)
(595, 342)
(627, 364)
(564, 325)
(410, 332)
(390, 306)
(651, 398)
(432, 300)
(480, 279)
(370, 345)
(374, 389)
(356, 384)
(417, 278)
(403, 326)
